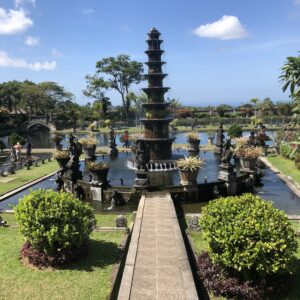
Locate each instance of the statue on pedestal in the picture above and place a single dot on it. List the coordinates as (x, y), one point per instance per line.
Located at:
(219, 140)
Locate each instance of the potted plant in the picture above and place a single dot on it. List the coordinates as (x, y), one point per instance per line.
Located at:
(99, 171)
(62, 157)
(89, 145)
(247, 155)
(188, 169)
(194, 141)
(57, 140)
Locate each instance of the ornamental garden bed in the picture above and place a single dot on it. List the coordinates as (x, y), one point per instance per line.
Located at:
(90, 278)
(283, 285)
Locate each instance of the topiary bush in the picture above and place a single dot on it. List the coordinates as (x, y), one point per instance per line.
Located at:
(16, 138)
(235, 131)
(54, 224)
(248, 236)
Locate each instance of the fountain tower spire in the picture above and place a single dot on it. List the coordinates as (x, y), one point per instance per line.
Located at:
(156, 117)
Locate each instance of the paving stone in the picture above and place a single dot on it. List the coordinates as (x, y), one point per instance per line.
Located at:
(168, 271)
(144, 284)
(169, 283)
(137, 294)
(172, 295)
(146, 272)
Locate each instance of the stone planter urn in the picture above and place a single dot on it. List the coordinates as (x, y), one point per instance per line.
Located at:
(194, 145)
(62, 162)
(99, 175)
(248, 164)
(90, 152)
(188, 177)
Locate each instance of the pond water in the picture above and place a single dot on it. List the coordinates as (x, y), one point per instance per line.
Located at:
(273, 188)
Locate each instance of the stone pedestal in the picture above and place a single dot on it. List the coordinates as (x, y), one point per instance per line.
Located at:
(228, 175)
(218, 150)
(96, 193)
(141, 181)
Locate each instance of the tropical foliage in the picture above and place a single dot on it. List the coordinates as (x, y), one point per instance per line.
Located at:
(246, 234)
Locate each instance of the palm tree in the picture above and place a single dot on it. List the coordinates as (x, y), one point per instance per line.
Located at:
(255, 101)
(290, 76)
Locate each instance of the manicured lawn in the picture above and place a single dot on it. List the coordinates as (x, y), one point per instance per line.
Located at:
(286, 166)
(24, 175)
(108, 220)
(89, 279)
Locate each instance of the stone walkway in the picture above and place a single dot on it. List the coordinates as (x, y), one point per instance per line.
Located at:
(157, 265)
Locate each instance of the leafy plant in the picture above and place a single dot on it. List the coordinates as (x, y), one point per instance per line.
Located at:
(247, 235)
(61, 154)
(235, 130)
(15, 138)
(54, 222)
(221, 283)
(244, 150)
(297, 161)
(88, 142)
(189, 163)
(285, 149)
(193, 136)
(97, 165)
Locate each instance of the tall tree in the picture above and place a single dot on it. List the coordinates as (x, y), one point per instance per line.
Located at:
(290, 77)
(120, 73)
(96, 88)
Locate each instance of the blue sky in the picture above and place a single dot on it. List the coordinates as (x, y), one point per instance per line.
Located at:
(216, 51)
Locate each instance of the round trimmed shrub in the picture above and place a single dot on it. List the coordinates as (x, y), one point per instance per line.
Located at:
(54, 222)
(235, 130)
(248, 236)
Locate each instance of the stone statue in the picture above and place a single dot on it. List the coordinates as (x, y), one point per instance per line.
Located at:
(226, 154)
(121, 221)
(194, 223)
(3, 222)
(75, 148)
(220, 136)
(112, 135)
(59, 181)
(141, 155)
(252, 139)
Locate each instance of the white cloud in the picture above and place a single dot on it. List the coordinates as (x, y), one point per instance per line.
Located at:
(227, 28)
(88, 11)
(32, 41)
(56, 53)
(13, 21)
(7, 62)
(19, 3)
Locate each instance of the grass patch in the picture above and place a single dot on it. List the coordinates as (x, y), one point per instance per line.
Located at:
(89, 279)
(108, 220)
(286, 166)
(24, 176)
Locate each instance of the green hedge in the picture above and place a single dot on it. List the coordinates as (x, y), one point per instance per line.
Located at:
(248, 235)
(54, 221)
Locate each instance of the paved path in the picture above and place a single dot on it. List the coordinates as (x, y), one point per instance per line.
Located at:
(157, 266)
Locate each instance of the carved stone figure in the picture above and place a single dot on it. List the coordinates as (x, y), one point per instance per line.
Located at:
(194, 223)
(3, 222)
(141, 155)
(220, 136)
(226, 154)
(121, 221)
(252, 139)
(75, 148)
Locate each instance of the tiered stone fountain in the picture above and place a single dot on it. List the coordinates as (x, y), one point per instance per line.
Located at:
(156, 144)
